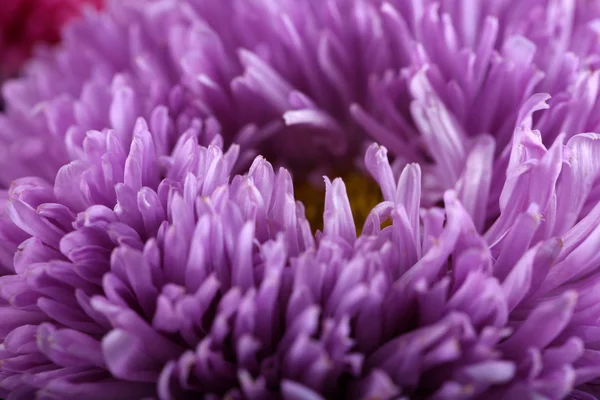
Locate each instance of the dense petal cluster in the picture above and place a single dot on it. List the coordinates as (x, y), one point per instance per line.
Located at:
(144, 273)
(147, 252)
(130, 251)
(26, 23)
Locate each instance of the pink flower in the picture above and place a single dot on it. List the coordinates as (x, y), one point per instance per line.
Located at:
(25, 23)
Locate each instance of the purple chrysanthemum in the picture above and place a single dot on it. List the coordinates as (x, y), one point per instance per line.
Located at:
(137, 263)
(151, 275)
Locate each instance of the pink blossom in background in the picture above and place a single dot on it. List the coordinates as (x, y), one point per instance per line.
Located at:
(25, 23)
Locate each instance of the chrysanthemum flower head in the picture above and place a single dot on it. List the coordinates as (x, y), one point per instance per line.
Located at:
(146, 255)
(145, 273)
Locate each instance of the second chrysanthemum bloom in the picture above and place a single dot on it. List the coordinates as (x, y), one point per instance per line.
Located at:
(309, 85)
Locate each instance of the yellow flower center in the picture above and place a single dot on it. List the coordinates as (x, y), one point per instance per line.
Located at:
(363, 193)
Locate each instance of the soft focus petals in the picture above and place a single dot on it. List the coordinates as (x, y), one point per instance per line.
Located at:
(25, 24)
